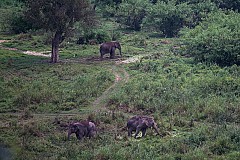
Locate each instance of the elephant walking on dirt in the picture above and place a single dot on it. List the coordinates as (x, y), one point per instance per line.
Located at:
(141, 123)
(82, 129)
(110, 47)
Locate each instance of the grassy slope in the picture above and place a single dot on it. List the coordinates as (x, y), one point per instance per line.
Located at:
(173, 89)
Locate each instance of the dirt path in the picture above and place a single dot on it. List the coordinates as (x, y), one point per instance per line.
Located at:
(99, 105)
(121, 76)
(34, 53)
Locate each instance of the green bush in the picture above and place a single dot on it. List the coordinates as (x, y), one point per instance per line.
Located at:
(215, 40)
(19, 24)
(167, 17)
(228, 4)
(108, 8)
(131, 13)
(12, 18)
(96, 36)
(209, 93)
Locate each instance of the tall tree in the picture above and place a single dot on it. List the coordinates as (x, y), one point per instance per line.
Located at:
(59, 17)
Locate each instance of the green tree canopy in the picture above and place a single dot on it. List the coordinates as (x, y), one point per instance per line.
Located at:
(167, 18)
(132, 12)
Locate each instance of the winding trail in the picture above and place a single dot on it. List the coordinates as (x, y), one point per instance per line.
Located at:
(121, 76)
(98, 105)
(34, 53)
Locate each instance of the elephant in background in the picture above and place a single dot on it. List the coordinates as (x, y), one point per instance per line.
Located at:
(110, 47)
(141, 123)
(82, 129)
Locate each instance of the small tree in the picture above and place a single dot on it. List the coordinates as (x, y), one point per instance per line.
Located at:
(58, 16)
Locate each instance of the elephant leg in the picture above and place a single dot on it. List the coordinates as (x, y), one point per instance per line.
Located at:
(69, 134)
(80, 136)
(137, 131)
(112, 53)
(90, 134)
(130, 132)
(101, 55)
(77, 135)
(144, 132)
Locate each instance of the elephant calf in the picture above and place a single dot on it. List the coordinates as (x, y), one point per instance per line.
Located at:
(110, 47)
(82, 129)
(141, 123)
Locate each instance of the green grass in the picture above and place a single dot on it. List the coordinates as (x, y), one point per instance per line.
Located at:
(31, 82)
(175, 84)
(196, 106)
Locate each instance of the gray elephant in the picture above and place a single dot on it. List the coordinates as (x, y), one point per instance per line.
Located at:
(141, 123)
(82, 129)
(110, 47)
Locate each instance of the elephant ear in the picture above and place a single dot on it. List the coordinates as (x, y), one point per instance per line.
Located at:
(150, 122)
(147, 123)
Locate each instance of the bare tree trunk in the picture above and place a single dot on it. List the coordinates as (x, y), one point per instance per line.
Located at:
(55, 47)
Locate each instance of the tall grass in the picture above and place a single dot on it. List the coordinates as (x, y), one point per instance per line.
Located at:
(43, 87)
(173, 84)
(196, 106)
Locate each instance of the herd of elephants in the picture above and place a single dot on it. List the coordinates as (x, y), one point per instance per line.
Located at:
(136, 123)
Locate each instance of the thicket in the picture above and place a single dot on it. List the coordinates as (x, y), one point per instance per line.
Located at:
(166, 17)
(216, 39)
(174, 85)
(11, 17)
(228, 4)
(131, 13)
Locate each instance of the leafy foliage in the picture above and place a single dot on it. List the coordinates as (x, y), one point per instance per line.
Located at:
(172, 85)
(228, 4)
(132, 12)
(57, 15)
(167, 18)
(12, 19)
(216, 40)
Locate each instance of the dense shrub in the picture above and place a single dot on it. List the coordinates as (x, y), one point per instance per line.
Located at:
(200, 10)
(12, 18)
(228, 4)
(167, 17)
(197, 91)
(19, 24)
(94, 36)
(216, 39)
(131, 13)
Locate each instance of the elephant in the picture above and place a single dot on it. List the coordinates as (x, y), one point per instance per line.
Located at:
(110, 47)
(141, 123)
(82, 129)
